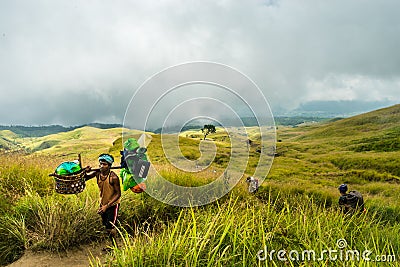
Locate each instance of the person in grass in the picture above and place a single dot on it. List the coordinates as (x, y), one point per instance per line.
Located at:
(253, 184)
(350, 202)
(110, 193)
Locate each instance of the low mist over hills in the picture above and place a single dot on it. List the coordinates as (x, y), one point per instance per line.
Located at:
(332, 109)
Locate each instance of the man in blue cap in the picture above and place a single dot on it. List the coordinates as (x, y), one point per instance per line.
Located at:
(350, 202)
(110, 193)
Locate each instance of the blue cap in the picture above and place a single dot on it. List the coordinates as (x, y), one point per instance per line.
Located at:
(107, 158)
(343, 188)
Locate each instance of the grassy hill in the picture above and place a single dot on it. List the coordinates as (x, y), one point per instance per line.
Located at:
(383, 123)
(362, 151)
(8, 140)
(295, 208)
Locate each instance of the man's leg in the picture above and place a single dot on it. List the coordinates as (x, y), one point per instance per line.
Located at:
(109, 221)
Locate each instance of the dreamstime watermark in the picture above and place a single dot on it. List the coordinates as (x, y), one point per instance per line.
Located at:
(202, 93)
(340, 253)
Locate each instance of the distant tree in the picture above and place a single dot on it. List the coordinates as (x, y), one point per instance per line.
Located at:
(208, 129)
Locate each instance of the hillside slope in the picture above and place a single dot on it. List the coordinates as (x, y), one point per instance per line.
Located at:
(362, 151)
(8, 140)
(373, 131)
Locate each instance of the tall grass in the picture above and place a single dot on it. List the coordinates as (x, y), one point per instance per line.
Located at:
(20, 172)
(13, 238)
(51, 222)
(144, 212)
(388, 162)
(233, 232)
(56, 222)
(32, 216)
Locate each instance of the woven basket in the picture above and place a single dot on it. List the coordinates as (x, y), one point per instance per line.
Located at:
(71, 184)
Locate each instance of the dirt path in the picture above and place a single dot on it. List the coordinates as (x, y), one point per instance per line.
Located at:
(79, 257)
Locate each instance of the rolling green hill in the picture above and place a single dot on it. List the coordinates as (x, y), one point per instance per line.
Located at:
(362, 151)
(8, 140)
(379, 124)
(375, 135)
(295, 207)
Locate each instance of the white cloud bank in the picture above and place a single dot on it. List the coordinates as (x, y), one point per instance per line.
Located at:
(74, 62)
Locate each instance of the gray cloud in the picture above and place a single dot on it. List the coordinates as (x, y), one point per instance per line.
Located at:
(74, 62)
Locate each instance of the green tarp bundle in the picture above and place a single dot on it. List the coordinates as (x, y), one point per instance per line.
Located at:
(68, 168)
(129, 180)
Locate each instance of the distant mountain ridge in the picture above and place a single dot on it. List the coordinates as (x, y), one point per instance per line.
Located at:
(39, 131)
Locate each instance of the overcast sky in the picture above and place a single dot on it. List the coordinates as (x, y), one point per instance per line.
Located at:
(71, 62)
